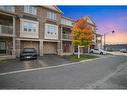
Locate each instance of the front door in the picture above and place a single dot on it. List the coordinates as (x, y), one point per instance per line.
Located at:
(2, 47)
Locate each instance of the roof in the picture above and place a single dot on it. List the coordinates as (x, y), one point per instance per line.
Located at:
(68, 18)
(54, 8)
(89, 20)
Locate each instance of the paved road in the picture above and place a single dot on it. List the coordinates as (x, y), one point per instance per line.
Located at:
(76, 76)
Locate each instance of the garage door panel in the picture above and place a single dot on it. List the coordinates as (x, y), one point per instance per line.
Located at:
(50, 48)
(27, 44)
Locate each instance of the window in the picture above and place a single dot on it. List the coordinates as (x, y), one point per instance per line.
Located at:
(8, 8)
(51, 29)
(29, 26)
(30, 9)
(2, 45)
(51, 15)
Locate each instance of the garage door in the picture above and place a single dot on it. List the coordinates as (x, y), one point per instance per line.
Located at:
(50, 48)
(30, 44)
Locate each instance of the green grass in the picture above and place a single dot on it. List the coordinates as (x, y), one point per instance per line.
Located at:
(3, 61)
(82, 57)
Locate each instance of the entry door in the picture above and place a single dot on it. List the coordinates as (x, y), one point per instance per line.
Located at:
(2, 47)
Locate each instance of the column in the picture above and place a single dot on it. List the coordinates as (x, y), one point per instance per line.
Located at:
(18, 42)
(14, 49)
(41, 48)
(61, 43)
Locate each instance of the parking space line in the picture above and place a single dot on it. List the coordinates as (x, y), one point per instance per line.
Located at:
(42, 68)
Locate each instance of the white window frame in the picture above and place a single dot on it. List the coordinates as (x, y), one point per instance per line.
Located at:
(32, 33)
(51, 15)
(8, 8)
(30, 10)
(29, 25)
(50, 32)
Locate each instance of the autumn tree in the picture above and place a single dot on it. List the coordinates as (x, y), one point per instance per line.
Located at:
(82, 34)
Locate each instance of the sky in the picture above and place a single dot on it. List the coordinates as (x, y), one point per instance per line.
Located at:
(106, 18)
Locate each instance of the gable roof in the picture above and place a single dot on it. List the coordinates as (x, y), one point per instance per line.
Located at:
(54, 8)
(89, 20)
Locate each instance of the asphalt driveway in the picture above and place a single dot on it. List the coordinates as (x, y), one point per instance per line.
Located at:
(45, 61)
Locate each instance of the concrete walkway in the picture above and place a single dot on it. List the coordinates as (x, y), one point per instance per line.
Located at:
(118, 53)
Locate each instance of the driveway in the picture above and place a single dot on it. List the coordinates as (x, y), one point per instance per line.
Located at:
(74, 76)
(45, 61)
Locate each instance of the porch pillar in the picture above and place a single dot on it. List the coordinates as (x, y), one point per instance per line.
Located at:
(59, 48)
(41, 48)
(18, 42)
(61, 43)
(14, 49)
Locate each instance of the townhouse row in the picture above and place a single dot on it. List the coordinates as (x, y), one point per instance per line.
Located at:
(41, 27)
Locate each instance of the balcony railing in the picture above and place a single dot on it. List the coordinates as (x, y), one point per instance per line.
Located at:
(7, 8)
(6, 29)
(67, 36)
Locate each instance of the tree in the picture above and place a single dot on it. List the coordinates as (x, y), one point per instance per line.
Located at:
(82, 34)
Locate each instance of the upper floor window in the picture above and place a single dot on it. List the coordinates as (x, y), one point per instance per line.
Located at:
(8, 8)
(29, 26)
(30, 9)
(51, 15)
(51, 31)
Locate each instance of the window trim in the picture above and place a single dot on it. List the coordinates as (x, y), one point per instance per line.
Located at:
(49, 34)
(33, 10)
(8, 8)
(51, 15)
(30, 21)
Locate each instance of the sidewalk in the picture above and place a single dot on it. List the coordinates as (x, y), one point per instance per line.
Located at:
(116, 80)
(118, 53)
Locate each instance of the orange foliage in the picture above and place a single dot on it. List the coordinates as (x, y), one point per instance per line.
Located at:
(82, 33)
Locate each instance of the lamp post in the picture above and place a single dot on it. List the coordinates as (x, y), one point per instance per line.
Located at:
(105, 38)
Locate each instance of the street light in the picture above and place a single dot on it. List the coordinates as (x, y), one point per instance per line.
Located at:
(105, 37)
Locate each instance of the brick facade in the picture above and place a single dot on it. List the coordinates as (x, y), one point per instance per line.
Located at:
(40, 43)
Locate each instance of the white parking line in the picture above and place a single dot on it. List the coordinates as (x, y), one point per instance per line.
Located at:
(42, 68)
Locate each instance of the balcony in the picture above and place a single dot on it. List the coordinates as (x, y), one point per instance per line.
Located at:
(67, 36)
(7, 8)
(66, 22)
(6, 30)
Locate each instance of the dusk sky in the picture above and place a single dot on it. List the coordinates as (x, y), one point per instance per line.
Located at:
(107, 18)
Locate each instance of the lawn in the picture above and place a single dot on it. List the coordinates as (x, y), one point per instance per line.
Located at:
(2, 61)
(82, 57)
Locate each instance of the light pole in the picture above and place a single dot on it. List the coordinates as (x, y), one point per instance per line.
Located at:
(105, 38)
